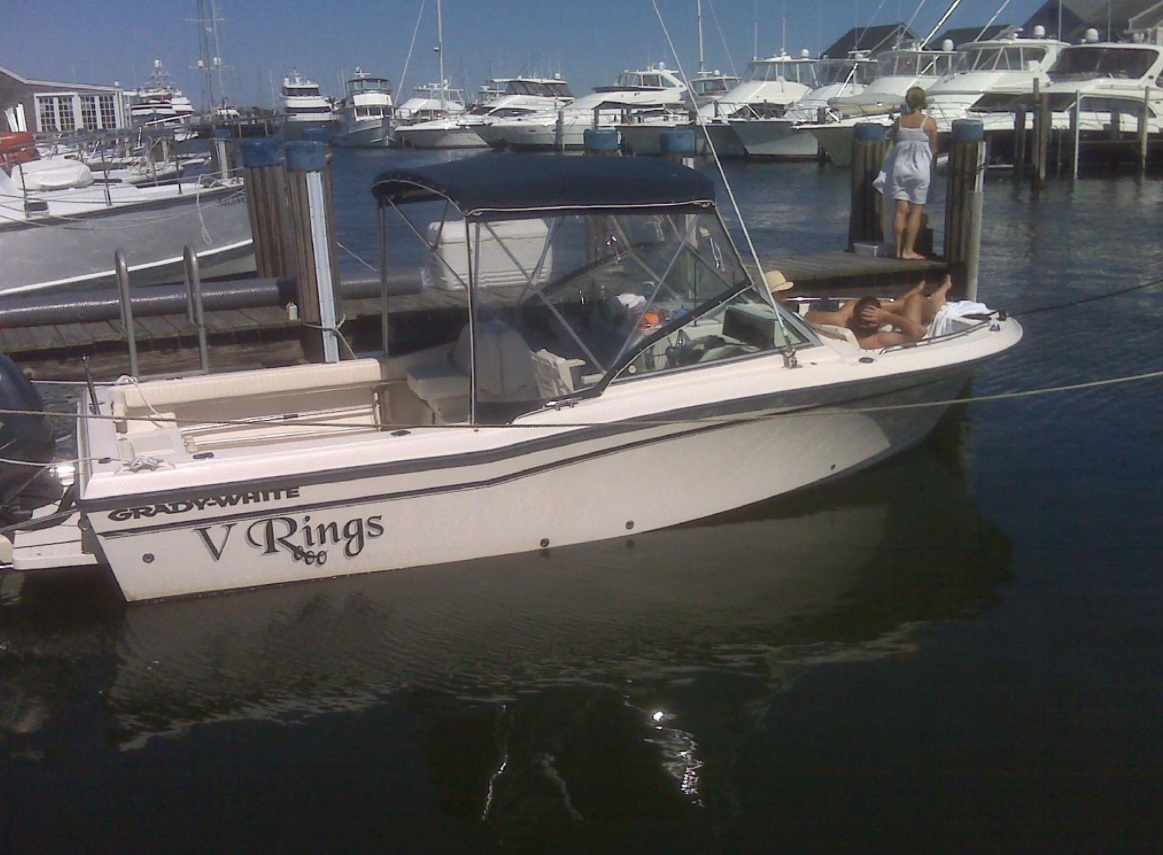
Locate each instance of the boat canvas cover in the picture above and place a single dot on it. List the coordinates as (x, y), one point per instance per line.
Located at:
(503, 186)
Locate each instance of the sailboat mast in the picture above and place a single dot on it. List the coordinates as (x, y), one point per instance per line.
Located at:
(702, 65)
(440, 49)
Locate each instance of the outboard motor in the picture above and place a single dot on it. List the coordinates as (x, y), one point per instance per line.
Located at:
(26, 437)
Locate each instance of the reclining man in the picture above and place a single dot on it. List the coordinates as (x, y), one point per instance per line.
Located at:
(909, 317)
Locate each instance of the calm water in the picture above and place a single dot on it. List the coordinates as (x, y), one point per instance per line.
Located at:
(959, 651)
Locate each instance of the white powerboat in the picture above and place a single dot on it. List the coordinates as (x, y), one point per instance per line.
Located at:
(363, 118)
(657, 89)
(619, 370)
(768, 88)
(159, 104)
(60, 228)
(880, 101)
(784, 136)
(990, 72)
(1098, 79)
(509, 98)
(304, 107)
(642, 134)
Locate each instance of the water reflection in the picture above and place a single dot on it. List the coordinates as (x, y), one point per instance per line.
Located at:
(539, 689)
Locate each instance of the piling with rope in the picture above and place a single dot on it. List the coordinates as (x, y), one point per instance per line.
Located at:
(311, 219)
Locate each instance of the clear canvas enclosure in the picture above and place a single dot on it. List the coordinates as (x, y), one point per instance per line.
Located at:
(563, 303)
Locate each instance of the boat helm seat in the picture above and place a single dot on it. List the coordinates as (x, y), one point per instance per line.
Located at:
(504, 371)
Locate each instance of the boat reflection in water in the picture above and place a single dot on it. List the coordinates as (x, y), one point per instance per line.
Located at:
(537, 688)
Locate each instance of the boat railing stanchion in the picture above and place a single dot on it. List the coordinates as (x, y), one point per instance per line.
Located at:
(126, 309)
(194, 311)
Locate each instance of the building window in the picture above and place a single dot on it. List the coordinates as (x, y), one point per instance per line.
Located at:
(108, 111)
(57, 112)
(89, 112)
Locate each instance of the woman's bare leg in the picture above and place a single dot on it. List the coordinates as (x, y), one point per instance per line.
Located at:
(912, 229)
(899, 223)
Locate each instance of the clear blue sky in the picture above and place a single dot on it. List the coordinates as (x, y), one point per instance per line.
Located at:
(588, 41)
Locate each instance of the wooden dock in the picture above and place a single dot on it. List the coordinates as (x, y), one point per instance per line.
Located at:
(265, 336)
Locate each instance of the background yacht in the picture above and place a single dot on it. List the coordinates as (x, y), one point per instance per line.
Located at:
(504, 98)
(304, 106)
(654, 88)
(364, 116)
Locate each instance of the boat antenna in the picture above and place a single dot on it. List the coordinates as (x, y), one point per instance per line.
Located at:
(909, 24)
(701, 121)
(411, 46)
(952, 8)
(699, 15)
(989, 23)
(440, 51)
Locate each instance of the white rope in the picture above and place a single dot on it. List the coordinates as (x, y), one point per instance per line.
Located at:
(810, 412)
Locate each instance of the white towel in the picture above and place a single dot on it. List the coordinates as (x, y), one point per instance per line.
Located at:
(943, 321)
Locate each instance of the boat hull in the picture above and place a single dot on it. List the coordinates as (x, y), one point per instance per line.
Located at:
(775, 138)
(439, 138)
(76, 250)
(362, 135)
(445, 495)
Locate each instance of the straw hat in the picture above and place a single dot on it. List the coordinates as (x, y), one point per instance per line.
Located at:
(776, 281)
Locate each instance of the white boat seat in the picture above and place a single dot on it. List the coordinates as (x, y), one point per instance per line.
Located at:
(434, 380)
(504, 370)
(555, 374)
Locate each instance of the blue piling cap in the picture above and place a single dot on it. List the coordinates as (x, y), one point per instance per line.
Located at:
(868, 132)
(260, 152)
(677, 141)
(601, 139)
(968, 130)
(306, 155)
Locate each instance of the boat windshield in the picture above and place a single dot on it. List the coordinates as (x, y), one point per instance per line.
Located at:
(1086, 62)
(998, 58)
(911, 63)
(564, 305)
(792, 71)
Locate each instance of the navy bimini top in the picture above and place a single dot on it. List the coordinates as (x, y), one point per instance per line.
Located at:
(505, 186)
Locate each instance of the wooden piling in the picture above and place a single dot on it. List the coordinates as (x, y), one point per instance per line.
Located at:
(869, 147)
(1020, 142)
(312, 223)
(266, 199)
(1144, 115)
(678, 144)
(963, 205)
(1042, 130)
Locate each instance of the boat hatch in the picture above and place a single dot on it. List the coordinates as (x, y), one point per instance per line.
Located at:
(578, 272)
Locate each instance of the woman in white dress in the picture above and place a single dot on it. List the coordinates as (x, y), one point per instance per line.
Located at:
(914, 137)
